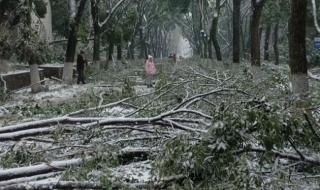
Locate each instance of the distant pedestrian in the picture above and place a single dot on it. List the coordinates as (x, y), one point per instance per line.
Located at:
(174, 58)
(81, 63)
(150, 69)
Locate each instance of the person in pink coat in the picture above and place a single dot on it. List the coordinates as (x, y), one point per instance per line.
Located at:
(150, 70)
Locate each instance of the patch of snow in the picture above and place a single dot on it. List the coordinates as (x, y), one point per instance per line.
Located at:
(117, 111)
(142, 89)
(45, 181)
(3, 112)
(56, 65)
(137, 172)
(57, 93)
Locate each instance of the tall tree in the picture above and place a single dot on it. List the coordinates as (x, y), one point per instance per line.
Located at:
(275, 43)
(267, 42)
(96, 29)
(76, 9)
(214, 31)
(236, 30)
(297, 45)
(99, 26)
(257, 7)
(23, 40)
(314, 13)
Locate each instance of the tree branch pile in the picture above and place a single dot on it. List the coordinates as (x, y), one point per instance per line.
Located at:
(46, 153)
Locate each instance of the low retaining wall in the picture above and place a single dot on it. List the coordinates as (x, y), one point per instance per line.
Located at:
(18, 79)
(52, 70)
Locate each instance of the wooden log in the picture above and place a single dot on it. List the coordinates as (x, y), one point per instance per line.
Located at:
(53, 185)
(28, 179)
(25, 133)
(43, 168)
(46, 123)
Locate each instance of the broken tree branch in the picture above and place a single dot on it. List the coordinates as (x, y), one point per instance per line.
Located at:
(54, 185)
(44, 168)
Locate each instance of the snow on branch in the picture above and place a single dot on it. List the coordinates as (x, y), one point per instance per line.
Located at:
(111, 13)
(314, 12)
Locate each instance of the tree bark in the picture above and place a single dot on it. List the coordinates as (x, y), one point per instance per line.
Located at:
(214, 31)
(35, 78)
(210, 49)
(111, 47)
(254, 31)
(142, 44)
(75, 14)
(119, 51)
(205, 48)
(44, 168)
(196, 27)
(75, 18)
(96, 29)
(297, 37)
(297, 46)
(131, 49)
(55, 185)
(236, 30)
(275, 43)
(267, 42)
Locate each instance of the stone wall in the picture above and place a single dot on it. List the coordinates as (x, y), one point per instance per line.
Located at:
(52, 70)
(19, 79)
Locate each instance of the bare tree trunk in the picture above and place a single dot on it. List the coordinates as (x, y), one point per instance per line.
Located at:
(131, 50)
(119, 51)
(267, 42)
(96, 29)
(297, 46)
(142, 44)
(67, 75)
(196, 27)
(75, 18)
(236, 30)
(254, 31)
(210, 49)
(205, 48)
(75, 14)
(275, 43)
(214, 31)
(35, 78)
(111, 47)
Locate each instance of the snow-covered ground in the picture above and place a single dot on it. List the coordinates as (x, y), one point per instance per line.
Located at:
(136, 172)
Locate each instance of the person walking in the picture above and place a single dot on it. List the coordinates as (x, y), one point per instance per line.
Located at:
(81, 63)
(174, 58)
(150, 70)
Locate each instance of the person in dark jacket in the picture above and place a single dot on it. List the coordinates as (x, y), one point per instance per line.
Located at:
(81, 62)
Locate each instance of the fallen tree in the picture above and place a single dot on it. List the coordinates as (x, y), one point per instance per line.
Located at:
(53, 185)
(44, 168)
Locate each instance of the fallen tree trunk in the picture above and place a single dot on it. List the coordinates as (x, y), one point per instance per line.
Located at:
(53, 185)
(25, 133)
(289, 156)
(98, 107)
(28, 179)
(44, 168)
(46, 122)
(101, 121)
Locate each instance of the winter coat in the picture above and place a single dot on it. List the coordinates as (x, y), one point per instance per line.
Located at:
(80, 63)
(150, 68)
